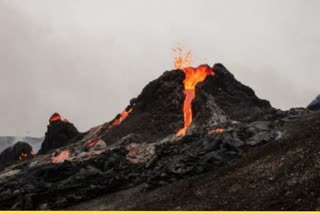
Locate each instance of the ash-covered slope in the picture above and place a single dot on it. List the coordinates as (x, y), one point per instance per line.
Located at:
(281, 175)
(140, 146)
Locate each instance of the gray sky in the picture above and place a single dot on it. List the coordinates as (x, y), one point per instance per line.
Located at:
(87, 59)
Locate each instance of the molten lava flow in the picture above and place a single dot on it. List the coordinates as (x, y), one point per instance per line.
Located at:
(217, 131)
(122, 117)
(23, 155)
(192, 77)
(115, 122)
(93, 142)
(64, 155)
(57, 117)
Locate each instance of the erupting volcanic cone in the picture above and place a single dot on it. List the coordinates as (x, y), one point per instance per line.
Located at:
(59, 133)
(201, 95)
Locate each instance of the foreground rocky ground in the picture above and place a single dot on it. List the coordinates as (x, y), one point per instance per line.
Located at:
(281, 175)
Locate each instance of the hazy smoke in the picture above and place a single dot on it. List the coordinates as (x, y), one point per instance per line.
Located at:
(87, 59)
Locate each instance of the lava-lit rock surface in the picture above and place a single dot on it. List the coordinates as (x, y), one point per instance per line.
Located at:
(59, 133)
(20, 150)
(142, 155)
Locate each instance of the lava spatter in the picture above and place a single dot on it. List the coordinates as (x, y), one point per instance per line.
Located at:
(57, 117)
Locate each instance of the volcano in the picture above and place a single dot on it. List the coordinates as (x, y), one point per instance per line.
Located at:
(59, 133)
(18, 152)
(189, 125)
(160, 110)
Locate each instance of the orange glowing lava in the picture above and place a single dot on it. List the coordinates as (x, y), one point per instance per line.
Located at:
(93, 142)
(181, 62)
(64, 155)
(192, 77)
(122, 117)
(57, 117)
(217, 131)
(23, 155)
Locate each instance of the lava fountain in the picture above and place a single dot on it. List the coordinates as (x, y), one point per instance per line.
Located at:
(193, 76)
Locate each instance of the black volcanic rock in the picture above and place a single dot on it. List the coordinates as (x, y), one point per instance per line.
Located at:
(18, 151)
(282, 175)
(315, 104)
(59, 133)
(222, 93)
(157, 111)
